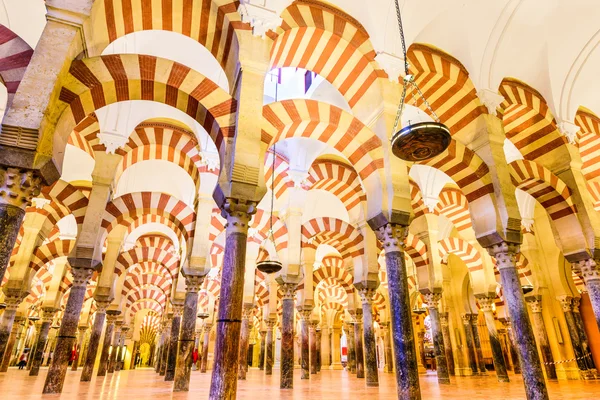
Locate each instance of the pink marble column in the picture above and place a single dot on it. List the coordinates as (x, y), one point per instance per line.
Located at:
(349, 330)
(6, 325)
(313, 346)
(121, 358)
(288, 291)
(358, 345)
(270, 356)
(247, 311)
(304, 343)
(445, 326)
(10, 347)
(183, 368)
(47, 317)
(533, 377)
(111, 317)
(486, 302)
(206, 329)
(477, 341)
(223, 384)
(90, 358)
(535, 304)
(318, 350)
(370, 350)
(433, 301)
(68, 330)
(173, 338)
(470, 344)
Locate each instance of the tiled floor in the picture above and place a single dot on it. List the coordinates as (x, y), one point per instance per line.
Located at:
(338, 385)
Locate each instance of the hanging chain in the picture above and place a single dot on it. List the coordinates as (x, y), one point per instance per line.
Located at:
(272, 194)
(408, 78)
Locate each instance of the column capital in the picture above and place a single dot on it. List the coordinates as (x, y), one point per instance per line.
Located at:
(466, 318)
(247, 310)
(83, 328)
(13, 300)
(19, 186)
(490, 99)
(238, 214)
(288, 290)
(206, 327)
(193, 283)
(81, 276)
(367, 294)
(486, 303)
(588, 270)
(535, 303)
(112, 315)
(575, 304)
(392, 236)
(270, 323)
(505, 254)
(432, 299)
(101, 305)
(177, 309)
(48, 314)
(444, 319)
(566, 302)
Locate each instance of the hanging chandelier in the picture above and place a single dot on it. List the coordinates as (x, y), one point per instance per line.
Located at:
(270, 266)
(421, 140)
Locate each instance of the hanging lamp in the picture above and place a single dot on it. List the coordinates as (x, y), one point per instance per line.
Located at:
(422, 140)
(270, 266)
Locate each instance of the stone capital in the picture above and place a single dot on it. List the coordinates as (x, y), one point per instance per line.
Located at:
(193, 283)
(260, 18)
(575, 304)
(588, 270)
(81, 276)
(177, 309)
(569, 130)
(101, 305)
(305, 313)
(486, 302)
(466, 318)
(367, 294)
(247, 310)
(48, 314)
(112, 315)
(535, 303)
(270, 323)
(433, 299)
(238, 214)
(288, 290)
(392, 236)
(19, 186)
(444, 319)
(566, 302)
(490, 99)
(505, 254)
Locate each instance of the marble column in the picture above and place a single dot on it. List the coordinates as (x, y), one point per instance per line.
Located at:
(121, 358)
(6, 325)
(447, 342)
(183, 368)
(583, 338)
(247, 310)
(10, 346)
(206, 329)
(477, 341)
(405, 354)
(512, 347)
(574, 334)
(387, 342)
(486, 303)
(336, 335)
(318, 344)
(325, 347)
(535, 304)
(47, 317)
(173, 338)
(533, 377)
(470, 343)
(68, 329)
(18, 187)
(370, 346)
(349, 329)
(114, 354)
(313, 346)
(304, 343)
(433, 301)
(270, 356)
(165, 347)
(223, 384)
(82, 330)
(108, 334)
(589, 270)
(288, 291)
(358, 345)
(261, 360)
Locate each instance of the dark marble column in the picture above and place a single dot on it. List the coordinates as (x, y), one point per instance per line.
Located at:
(514, 354)
(585, 344)
(174, 336)
(18, 187)
(370, 349)
(288, 291)
(589, 270)
(535, 304)
(47, 317)
(114, 353)
(165, 346)
(183, 368)
(270, 356)
(6, 325)
(477, 341)
(433, 301)
(223, 384)
(206, 329)
(304, 343)
(574, 334)
(108, 334)
(82, 330)
(503, 332)
(387, 342)
(10, 346)
(90, 358)
(247, 310)
(312, 328)
(261, 361)
(123, 350)
(470, 344)
(349, 329)
(533, 377)
(33, 345)
(68, 330)
(486, 303)
(318, 349)
(405, 355)
(358, 345)
(447, 342)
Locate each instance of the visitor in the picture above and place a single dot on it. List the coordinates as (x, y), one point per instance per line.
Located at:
(23, 360)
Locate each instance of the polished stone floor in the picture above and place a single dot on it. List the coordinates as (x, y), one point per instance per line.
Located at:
(146, 384)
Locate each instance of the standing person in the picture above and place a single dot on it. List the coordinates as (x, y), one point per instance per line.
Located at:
(195, 359)
(23, 359)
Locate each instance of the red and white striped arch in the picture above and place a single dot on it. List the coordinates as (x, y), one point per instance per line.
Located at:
(325, 40)
(155, 240)
(49, 251)
(260, 223)
(453, 205)
(145, 293)
(446, 85)
(133, 281)
(330, 125)
(212, 23)
(261, 294)
(330, 290)
(528, 122)
(464, 250)
(126, 208)
(282, 180)
(145, 304)
(338, 179)
(589, 146)
(99, 81)
(335, 232)
(139, 255)
(333, 268)
(416, 250)
(151, 268)
(15, 55)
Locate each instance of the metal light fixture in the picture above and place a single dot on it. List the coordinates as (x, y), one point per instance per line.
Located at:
(202, 315)
(270, 266)
(423, 140)
(527, 289)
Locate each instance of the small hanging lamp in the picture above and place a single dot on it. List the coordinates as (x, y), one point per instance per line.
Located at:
(422, 140)
(270, 266)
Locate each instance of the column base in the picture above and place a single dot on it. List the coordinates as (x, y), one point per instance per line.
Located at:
(336, 366)
(444, 381)
(463, 371)
(587, 375)
(422, 370)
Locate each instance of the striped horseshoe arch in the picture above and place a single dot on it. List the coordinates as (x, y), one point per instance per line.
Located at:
(150, 268)
(15, 55)
(133, 281)
(338, 179)
(154, 240)
(416, 250)
(589, 144)
(333, 268)
(325, 40)
(335, 232)
(464, 250)
(138, 255)
(49, 251)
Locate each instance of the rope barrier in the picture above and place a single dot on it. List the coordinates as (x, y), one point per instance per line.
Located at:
(571, 360)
